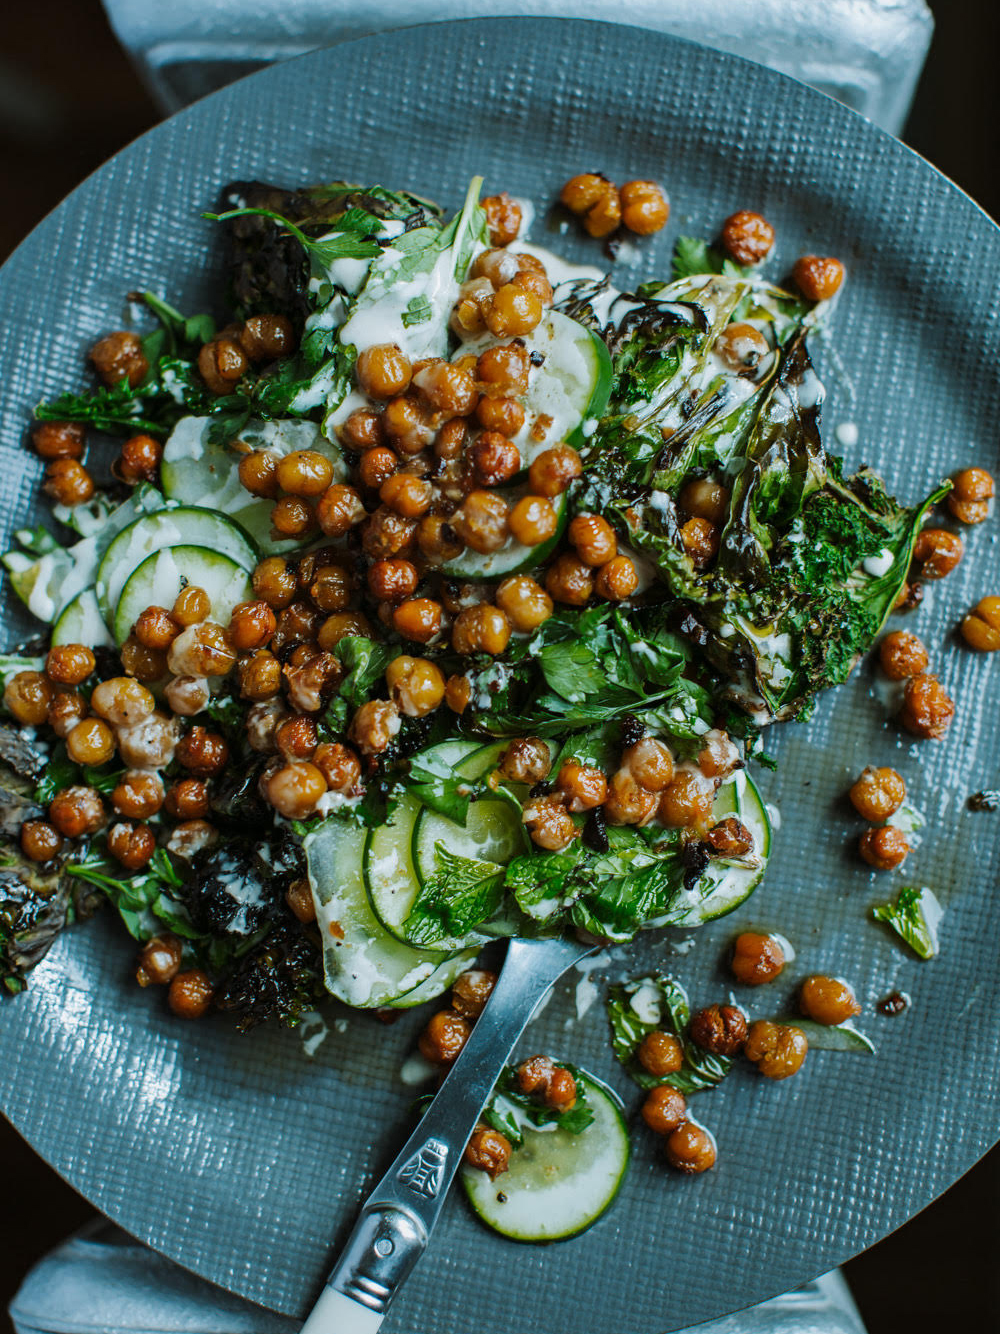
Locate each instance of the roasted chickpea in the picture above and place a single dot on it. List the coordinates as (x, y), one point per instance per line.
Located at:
(503, 416)
(718, 756)
(362, 431)
(68, 482)
(818, 277)
(407, 424)
(664, 1109)
(437, 540)
(339, 766)
(505, 369)
(139, 460)
(298, 897)
(581, 193)
(187, 799)
(267, 337)
(66, 710)
(28, 695)
(259, 676)
(150, 744)
(338, 510)
(927, 707)
(777, 1050)
(687, 801)
(138, 796)
(407, 495)
(549, 823)
(388, 534)
(132, 845)
(258, 473)
(503, 218)
(562, 1091)
(418, 619)
(69, 664)
(902, 654)
(145, 664)
(59, 440)
(554, 469)
(482, 629)
(221, 363)
(721, 1029)
(650, 763)
(494, 459)
(970, 495)
(294, 789)
(331, 588)
(535, 1075)
(644, 207)
(188, 695)
(191, 606)
(156, 629)
(617, 580)
(582, 786)
(190, 994)
(524, 602)
(878, 793)
(471, 990)
(374, 726)
(488, 1151)
(251, 625)
(605, 214)
(937, 552)
(513, 312)
(532, 277)
(122, 701)
(304, 472)
(274, 582)
(526, 760)
(292, 517)
(310, 678)
(189, 837)
(296, 737)
(393, 580)
(483, 521)
(119, 356)
(416, 685)
(202, 650)
(341, 625)
(457, 693)
(660, 1053)
(628, 802)
(756, 959)
(40, 841)
(442, 1040)
(202, 752)
(704, 499)
(533, 521)
(730, 838)
(981, 627)
(159, 961)
(827, 1000)
(690, 1149)
(447, 388)
(747, 237)
(450, 440)
(884, 848)
(593, 538)
(742, 347)
(569, 581)
(383, 371)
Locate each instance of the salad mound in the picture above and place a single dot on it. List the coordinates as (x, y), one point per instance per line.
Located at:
(439, 596)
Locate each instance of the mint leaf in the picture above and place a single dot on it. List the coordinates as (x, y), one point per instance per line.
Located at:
(668, 1011)
(512, 1112)
(418, 311)
(460, 895)
(914, 917)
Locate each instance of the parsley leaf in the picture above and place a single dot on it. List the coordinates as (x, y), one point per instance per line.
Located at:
(572, 670)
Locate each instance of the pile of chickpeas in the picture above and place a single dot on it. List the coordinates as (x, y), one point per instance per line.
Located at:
(778, 1050)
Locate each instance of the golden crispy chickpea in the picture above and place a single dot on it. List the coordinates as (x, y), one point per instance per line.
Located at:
(159, 961)
(705, 499)
(267, 337)
(251, 625)
(28, 695)
(407, 423)
(274, 582)
(729, 838)
(777, 1050)
(482, 523)
(513, 312)
(418, 619)
(339, 766)
(553, 470)
(457, 693)
(407, 495)
(747, 237)
(305, 472)
(581, 193)
(644, 207)
(416, 685)
(202, 753)
(981, 627)
(884, 848)
(190, 994)
(139, 460)
(447, 388)
(40, 841)
(77, 811)
(187, 695)
(488, 1151)
(259, 676)
(535, 1075)
(533, 521)
(482, 629)
(902, 654)
(582, 786)
(437, 540)
(65, 711)
(927, 707)
(156, 629)
(690, 1149)
(187, 799)
(721, 1029)
(138, 795)
(742, 347)
(69, 664)
(650, 763)
(970, 496)
(202, 650)
(569, 581)
(471, 990)
(122, 701)
(68, 482)
(331, 588)
(549, 823)
(450, 440)
(818, 277)
(442, 1040)
(376, 466)
(686, 801)
(701, 541)
(298, 897)
(593, 538)
(627, 801)
(524, 602)
(617, 580)
(292, 517)
(132, 845)
(191, 606)
(757, 959)
(383, 370)
(59, 440)
(294, 789)
(221, 363)
(374, 725)
(503, 416)
(605, 214)
(532, 277)
(388, 534)
(937, 552)
(827, 1000)
(504, 370)
(526, 760)
(295, 738)
(664, 1109)
(258, 473)
(878, 793)
(494, 459)
(660, 1053)
(393, 580)
(339, 509)
(342, 625)
(503, 218)
(145, 664)
(119, 356)
(561, 1093)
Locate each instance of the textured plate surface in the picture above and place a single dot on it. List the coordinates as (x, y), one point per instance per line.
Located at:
(243, 1159)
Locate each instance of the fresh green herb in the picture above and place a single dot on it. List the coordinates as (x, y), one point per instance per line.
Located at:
(693, 256)
(60, 772)
(418, 311)
(455, 900)
(669, 1002)
(914, 917)
(572, 670)
(512, 1112)
(147, 901)
(350, 239)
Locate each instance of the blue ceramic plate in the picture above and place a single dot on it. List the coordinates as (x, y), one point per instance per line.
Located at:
(242, 1158)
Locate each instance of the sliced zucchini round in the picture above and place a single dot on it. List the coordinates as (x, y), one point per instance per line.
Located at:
(185, 526)
(81, 622)
(363, 964)
(558, 1183)
(513, 557)
(161, 576)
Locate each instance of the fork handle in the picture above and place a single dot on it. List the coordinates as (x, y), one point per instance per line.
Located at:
(336, 1313)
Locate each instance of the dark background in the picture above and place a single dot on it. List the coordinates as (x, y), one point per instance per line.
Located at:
(68, 100)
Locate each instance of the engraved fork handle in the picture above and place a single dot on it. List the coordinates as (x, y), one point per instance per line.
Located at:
(396, 1220)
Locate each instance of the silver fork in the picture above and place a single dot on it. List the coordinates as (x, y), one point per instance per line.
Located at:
(398, 1217)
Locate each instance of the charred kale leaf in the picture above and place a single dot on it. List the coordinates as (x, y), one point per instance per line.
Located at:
(281, 979)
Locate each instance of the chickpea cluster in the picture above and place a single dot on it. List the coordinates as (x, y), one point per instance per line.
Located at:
(602, 207)
(748, 238)
(876, 796)
(927, 709)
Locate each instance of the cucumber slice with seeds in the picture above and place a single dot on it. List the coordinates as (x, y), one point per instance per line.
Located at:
(513, 557)
(558, 1184)
(161, 576)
